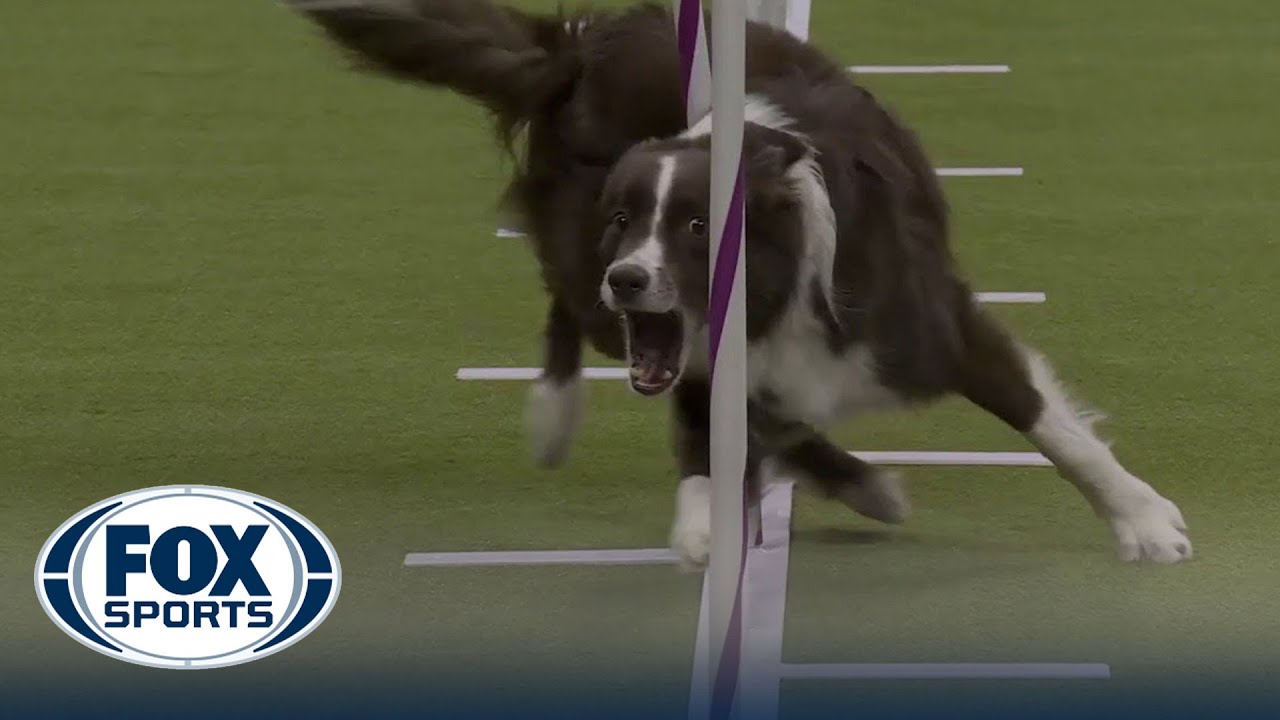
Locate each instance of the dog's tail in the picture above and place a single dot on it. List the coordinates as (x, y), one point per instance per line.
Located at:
(509, 61)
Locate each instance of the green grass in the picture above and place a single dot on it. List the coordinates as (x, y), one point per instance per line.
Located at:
(225, 259)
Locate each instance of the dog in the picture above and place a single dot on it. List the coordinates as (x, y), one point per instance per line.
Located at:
(854, 301)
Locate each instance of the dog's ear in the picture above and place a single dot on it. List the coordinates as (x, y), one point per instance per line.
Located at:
(769, 152)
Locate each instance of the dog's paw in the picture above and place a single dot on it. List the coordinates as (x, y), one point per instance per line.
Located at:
(552, 416)
(1152, 530)
(882, 496)
(691, 531)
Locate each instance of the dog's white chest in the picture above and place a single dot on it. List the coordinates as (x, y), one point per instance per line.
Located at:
(811, 383)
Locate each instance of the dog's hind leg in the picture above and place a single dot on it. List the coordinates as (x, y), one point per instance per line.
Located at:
(800, 449)
(1018, 385)
(554, 409)
(872, 492)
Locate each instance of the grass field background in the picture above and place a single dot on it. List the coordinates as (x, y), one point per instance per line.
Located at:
(224, 258)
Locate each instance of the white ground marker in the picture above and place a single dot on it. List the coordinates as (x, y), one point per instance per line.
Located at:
(981, 172)
(929, 457)
(532, 373)
(654, 556)
(947, 671)
(930, 69)
(1013, 298)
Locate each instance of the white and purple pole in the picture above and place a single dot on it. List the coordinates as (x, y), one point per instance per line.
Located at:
(725, 96)
(789, 15)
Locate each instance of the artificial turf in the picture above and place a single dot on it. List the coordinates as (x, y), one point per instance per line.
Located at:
(226, 259)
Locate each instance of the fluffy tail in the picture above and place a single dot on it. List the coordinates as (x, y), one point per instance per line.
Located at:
(505, 59)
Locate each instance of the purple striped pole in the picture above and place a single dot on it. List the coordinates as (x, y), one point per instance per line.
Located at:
(695, 62)
(726, 328)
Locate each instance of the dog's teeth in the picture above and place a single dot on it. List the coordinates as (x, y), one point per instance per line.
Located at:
(667, 375)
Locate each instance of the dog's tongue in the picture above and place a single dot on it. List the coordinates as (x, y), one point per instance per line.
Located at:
(648, 369)
(654, 344)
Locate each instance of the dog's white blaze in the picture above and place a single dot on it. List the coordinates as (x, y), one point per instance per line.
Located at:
(649, 255)
(662, 194)
(660, 295)
(1145, 524)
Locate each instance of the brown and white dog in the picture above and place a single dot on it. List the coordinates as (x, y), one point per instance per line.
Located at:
(854, 302)
(853, 305)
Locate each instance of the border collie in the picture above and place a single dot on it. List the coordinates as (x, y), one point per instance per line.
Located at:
(854, 302)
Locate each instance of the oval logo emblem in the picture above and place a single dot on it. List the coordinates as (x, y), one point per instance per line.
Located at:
(188, 577)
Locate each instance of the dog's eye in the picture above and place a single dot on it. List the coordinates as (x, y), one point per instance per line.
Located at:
(621, 220)
(698, 226)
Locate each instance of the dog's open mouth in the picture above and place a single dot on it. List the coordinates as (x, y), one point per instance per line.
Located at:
(655, 342)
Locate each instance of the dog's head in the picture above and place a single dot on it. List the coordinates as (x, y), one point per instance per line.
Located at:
(656, 245)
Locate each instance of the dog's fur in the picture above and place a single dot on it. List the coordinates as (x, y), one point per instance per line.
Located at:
(854, 301)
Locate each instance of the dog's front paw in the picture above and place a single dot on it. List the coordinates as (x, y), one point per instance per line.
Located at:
(552, 416)
(691, 531)
(881, 496)
(1151, 530)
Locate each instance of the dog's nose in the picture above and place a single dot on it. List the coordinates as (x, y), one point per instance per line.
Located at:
(628, 281)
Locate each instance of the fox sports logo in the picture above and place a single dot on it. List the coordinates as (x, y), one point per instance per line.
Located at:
(188, 576)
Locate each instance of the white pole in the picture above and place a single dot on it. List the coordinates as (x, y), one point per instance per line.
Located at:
(789, 15)
(727, 339)
(727, 334)
(695, 62)
(769, 12)
(798, 16)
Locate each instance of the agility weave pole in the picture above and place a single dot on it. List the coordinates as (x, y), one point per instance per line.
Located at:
(789, 15)
(727, 336)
